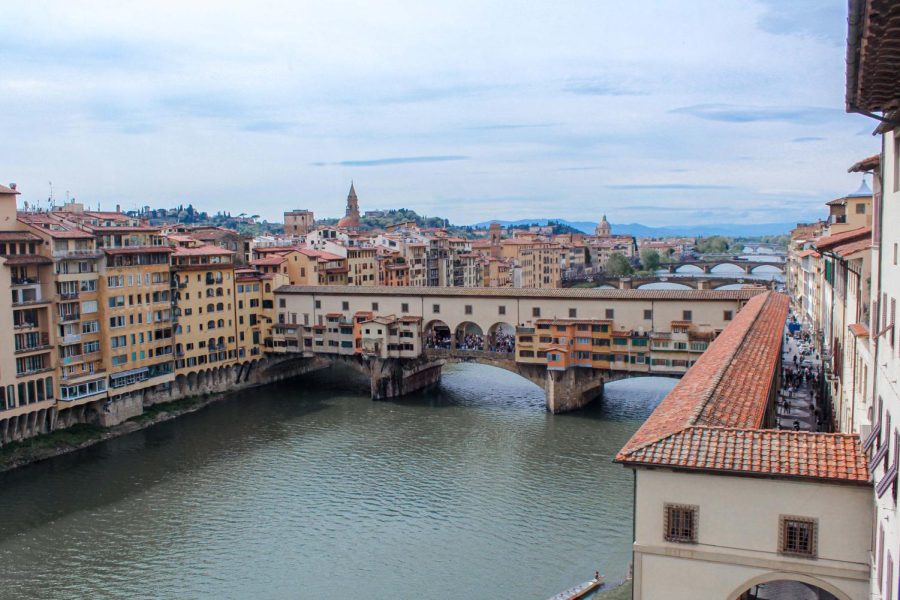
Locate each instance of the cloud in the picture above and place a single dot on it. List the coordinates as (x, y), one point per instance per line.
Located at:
(270, 126)
(598, 87)
(822, 19)
(811, 138)
(399, 160)
(502, 126)
(729, 113)
(668, 186)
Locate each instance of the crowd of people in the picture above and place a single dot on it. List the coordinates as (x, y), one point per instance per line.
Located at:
(800, 380)
(498, 342)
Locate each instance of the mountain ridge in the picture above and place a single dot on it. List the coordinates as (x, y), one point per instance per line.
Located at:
(641, 230)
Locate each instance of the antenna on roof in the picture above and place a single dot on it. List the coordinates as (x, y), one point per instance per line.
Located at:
(50, 197)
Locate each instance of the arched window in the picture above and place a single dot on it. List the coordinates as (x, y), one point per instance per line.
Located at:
(268, 287)
(211, 325)
(219, 292)
(210, 307)
(220, 323)
(220, 306)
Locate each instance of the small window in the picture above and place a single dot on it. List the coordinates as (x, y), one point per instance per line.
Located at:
(610, 313)
(681, 523)
(318, 304)
(573, 313)
(727, 315)
(404, 307)
(535, 311)
(501, 310)
(797, 536)
(435, 308)
(687, 315)
(860, 208)
(345, 305)
(648, 315)
(468, 309)
(374, 306)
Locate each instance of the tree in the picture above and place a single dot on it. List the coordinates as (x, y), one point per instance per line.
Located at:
(650, 259)
(618, 265)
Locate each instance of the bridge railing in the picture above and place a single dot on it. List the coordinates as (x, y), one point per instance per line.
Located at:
(460, 353)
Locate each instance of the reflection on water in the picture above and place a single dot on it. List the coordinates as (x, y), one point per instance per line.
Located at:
(311, 490)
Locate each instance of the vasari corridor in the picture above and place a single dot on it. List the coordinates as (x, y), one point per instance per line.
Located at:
(475, 300)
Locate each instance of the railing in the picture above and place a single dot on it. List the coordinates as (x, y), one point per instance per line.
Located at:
(459, 352)
(22, 350)
(71, 338)
(77, 253)
(69, 317)
(25, 280)
(68, 295)
(24, 325)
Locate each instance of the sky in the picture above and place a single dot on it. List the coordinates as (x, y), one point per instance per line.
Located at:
(657, 112)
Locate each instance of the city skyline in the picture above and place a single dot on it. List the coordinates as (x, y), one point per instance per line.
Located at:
(602, 113)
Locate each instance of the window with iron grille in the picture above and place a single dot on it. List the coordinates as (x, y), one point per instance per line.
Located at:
(681, 523)
(797, 536)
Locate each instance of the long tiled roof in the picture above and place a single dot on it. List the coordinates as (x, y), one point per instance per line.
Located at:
(845, 250)
(770, 452)
(574, 293)
(711, 419)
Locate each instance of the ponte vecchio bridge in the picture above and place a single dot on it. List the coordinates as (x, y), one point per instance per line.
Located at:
(568, 341)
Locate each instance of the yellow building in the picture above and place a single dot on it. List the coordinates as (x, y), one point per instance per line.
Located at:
(361, 266)
(203, 288)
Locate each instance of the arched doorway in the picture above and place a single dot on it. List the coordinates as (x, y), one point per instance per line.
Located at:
(469, 336)
(501, 338)
(788, 586)
(437, 335)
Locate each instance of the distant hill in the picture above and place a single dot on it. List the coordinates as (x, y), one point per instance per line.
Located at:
(639, 230)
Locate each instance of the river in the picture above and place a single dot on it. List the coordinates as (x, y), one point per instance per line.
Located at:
(308, 489)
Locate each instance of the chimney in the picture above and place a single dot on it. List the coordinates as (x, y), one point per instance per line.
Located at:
(12, 186)
(118, 208)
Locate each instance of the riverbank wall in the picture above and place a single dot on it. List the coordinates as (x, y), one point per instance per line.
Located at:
(59, 430)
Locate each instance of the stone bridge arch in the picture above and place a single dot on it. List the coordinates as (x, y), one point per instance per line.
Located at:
(767, 268)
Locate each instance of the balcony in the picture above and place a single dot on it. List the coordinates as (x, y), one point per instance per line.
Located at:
(37, 348)
(33, 371)
(81, 253)
(69, 318)
(25, 281)
(71, 338)
(68, 295)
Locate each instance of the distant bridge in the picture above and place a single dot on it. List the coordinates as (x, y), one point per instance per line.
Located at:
(718, 266)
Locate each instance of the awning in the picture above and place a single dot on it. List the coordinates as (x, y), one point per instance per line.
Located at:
(887, 481)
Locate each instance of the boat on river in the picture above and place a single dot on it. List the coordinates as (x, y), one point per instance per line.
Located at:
(579, 591)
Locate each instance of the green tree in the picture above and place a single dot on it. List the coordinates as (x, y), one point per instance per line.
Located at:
(618, 265)
(650, 259)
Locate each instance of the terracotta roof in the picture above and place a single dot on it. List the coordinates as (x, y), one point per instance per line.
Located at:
(826, 242)
(801, 454)
(268, 261)
(806, 253)
(26, 259)
(6, 190)
(204, 250)
(711, 419)
(47, 224)
(859, 330)
(845, 250)
(18, 236)
(582, 293)
(870, 163)
(872, 57)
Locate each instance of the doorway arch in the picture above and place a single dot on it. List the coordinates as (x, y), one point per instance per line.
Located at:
(787, 585)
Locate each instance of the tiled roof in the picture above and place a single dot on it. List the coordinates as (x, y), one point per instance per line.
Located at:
(802, 454)
(137, 249)
(268, 261)
(574, 293)
(826, 242)
(6, 190)
(204, 250)
(27, 259)
(18, 236)
(806, 253)
(711, 419)
(845, 250)
(867, 164)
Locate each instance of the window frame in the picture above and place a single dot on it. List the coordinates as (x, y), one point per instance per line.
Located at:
(784, 521)
(668, 510)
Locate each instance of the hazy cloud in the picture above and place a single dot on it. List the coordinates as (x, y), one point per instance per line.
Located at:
(668, 186)
(809, 115)
(400, 160)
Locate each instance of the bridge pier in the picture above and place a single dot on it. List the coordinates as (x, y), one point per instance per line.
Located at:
(392, 377)
(572, 389)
